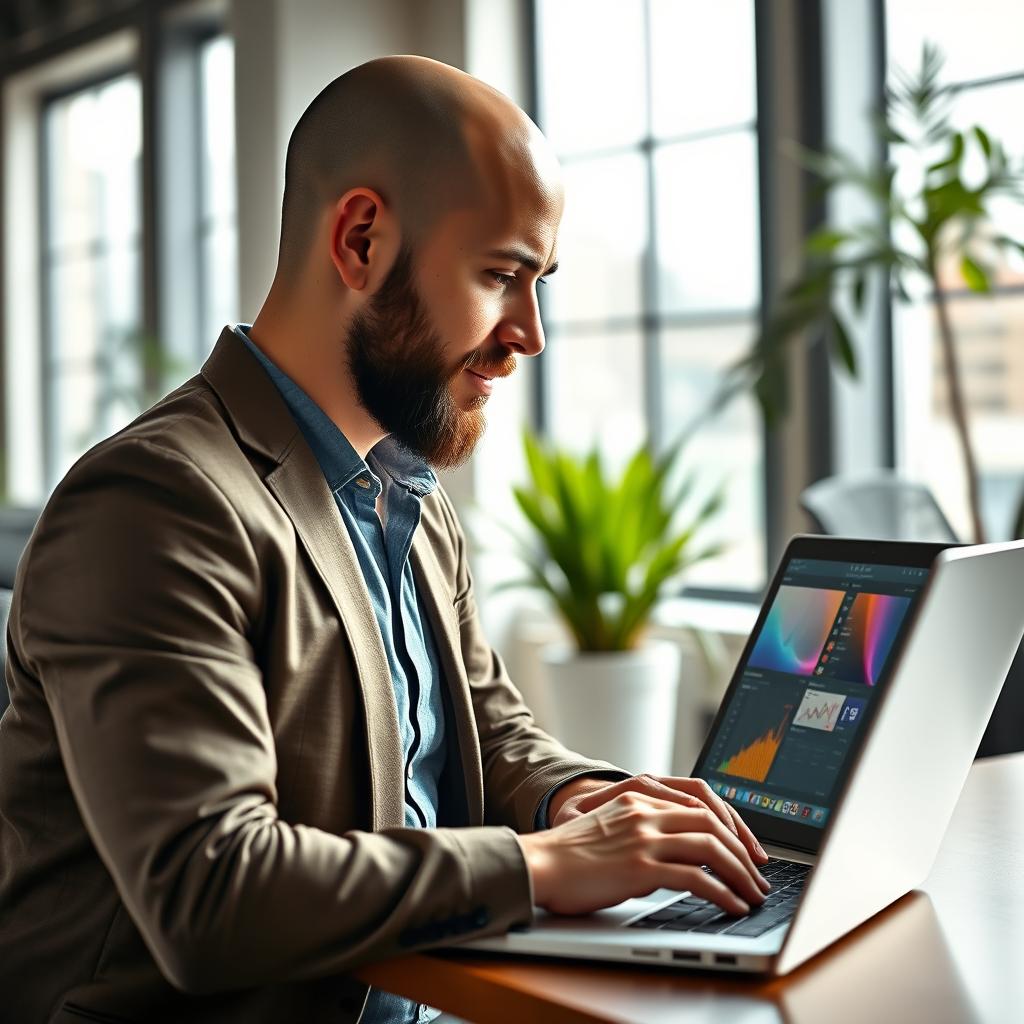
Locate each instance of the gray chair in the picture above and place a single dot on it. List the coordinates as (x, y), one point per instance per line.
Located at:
(883, 506)
(16, 525)
(5, 609)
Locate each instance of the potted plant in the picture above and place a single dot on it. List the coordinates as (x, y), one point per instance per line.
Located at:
(603, 551)
(925, 227)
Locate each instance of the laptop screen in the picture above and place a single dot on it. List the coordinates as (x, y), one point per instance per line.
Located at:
(812, 671)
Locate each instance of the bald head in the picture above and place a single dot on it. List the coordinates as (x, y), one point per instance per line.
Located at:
(427, 137)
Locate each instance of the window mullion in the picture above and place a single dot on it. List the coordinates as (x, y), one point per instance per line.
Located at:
(149, 80)
(650, 330)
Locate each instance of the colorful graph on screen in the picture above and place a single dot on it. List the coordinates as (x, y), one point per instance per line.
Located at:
(868, 635)
(753, 761)
(796, 630)
(819, 710)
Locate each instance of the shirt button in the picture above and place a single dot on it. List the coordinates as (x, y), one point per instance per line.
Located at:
(364, 483)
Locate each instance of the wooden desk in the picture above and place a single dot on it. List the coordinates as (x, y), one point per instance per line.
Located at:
(950, 952)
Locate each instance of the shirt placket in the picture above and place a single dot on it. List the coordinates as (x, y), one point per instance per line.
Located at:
(403, 518)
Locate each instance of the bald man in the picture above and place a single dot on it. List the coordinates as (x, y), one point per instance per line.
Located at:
(256, 736)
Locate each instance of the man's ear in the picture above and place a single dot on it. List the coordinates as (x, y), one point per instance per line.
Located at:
(364, 239)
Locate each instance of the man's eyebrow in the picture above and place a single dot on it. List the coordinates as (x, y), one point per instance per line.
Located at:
(525, 257)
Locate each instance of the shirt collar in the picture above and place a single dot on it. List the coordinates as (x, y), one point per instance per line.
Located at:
(339, 461)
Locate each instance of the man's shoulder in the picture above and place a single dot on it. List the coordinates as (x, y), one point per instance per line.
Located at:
(188, 428)
(175, 469)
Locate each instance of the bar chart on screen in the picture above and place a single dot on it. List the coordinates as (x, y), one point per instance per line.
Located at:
(754, 759)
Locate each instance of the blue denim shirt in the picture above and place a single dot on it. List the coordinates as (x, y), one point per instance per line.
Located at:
(383, 553)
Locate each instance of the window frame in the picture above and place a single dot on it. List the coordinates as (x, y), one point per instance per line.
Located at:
(651, 321)
(202, 36)
(154, 28)
(47, 342)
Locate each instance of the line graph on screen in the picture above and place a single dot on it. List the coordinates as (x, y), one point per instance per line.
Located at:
(819, 710)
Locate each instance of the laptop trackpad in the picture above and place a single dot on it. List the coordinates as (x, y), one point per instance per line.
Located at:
(602, 919)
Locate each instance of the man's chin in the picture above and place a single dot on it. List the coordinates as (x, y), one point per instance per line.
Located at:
(456, 448)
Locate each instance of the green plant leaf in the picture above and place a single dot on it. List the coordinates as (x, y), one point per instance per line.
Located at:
(974, 274)
(983, 140)
(859, 284)
(953, 158)
(843, 345)
(825, 240)
(1005, 242)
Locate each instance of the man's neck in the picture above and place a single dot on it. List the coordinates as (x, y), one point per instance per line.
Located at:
(313, 357)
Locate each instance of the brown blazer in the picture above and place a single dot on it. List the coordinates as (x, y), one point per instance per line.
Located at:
(201, 793)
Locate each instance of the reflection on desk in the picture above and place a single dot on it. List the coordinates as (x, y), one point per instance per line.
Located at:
(897, 967)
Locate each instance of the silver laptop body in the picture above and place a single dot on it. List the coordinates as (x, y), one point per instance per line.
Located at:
(922, 638)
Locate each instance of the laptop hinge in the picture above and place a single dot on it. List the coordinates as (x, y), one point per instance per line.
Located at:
(787, 853)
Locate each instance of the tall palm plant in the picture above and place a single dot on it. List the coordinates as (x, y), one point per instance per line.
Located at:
(944, 219)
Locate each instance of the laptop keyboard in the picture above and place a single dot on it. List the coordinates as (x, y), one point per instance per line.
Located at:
(694, 914)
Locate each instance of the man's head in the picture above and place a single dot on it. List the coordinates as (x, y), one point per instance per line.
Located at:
(421, 207)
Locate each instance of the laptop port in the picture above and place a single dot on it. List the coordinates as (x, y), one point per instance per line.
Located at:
(653, 953)
(691, 958)
(724, 958)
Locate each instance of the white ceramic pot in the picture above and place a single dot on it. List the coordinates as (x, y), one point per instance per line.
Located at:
(619, 706)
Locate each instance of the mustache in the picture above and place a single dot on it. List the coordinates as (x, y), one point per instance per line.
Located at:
(490, 365)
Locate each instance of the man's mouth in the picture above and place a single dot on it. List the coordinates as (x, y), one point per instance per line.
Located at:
(491, 373)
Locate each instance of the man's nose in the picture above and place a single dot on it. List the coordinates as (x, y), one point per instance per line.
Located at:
(523, 331)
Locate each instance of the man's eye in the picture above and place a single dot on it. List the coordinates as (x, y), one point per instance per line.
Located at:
(503, 279)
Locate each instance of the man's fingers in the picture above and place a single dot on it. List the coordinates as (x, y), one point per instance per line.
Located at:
(688, 823)
(700, 790)
(746, 836)
(687, 878)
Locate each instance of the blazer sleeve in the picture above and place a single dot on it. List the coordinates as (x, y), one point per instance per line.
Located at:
(137, 597)
(522, 763)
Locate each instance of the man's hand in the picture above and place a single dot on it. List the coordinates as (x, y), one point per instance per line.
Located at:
(612, 842)
(585, 793)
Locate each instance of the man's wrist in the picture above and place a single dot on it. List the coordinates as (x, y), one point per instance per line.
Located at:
(535, 857)
(579, 786)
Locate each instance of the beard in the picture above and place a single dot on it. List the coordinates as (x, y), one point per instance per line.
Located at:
(402, 380)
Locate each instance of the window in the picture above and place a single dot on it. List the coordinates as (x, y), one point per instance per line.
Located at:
(656, 128)
(985, 64)
(91, 267)
(138, 266)
(218, 231)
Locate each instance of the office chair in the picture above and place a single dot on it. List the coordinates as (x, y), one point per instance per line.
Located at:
(881, 506)
(16, 525)
(5, 610)
(885, 507)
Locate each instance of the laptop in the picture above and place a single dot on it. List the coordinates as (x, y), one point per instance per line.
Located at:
(843, 740)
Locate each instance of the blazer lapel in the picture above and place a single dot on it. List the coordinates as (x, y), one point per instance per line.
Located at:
(299, 485)
(437, 598)
(263, 421)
